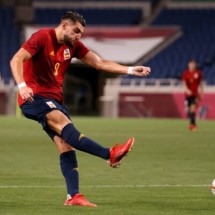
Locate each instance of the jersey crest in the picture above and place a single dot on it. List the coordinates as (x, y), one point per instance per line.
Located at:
(66, 54)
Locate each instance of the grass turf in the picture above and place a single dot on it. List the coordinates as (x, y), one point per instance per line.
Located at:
(169, 170)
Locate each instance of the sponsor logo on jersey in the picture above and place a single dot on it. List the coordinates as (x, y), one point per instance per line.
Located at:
(51, 104)
(66, 54)
(51, 53)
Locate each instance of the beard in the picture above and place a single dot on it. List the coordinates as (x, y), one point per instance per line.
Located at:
(67, 41)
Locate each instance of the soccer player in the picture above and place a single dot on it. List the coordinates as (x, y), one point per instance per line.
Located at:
(38, 68)
(192, 81)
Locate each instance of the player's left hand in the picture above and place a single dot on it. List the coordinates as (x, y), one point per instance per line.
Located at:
(141, 70)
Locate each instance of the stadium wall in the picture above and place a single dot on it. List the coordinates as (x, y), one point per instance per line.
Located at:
(7, 98)
(162, 105)
(157, 100)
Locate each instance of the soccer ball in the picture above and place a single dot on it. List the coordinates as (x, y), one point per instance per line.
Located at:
(213, 187)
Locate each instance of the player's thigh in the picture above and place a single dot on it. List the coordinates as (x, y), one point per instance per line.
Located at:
(62, 146)
(57, 120)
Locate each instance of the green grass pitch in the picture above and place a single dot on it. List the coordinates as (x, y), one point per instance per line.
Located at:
(168, 172)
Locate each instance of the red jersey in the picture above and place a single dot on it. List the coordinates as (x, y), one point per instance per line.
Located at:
(192, 80)
(45, 71)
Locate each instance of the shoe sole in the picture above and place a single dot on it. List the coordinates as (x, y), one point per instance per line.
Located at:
(86, 205)
(80, 205)
(117, 164)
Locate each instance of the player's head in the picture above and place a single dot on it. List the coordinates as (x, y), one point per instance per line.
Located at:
(74, 17)
(72, 26)
(192, 65)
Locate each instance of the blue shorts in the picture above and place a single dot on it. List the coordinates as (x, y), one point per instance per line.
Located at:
(38, 109)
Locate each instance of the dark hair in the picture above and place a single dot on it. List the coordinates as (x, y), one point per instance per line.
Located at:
(74, 16)
(192, 60)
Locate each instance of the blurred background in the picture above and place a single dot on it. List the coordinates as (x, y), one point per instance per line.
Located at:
(162, 34)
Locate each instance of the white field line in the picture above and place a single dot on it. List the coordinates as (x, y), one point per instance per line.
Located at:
(105, 186)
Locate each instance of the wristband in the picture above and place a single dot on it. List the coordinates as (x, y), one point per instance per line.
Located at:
(130, 70)
(21, 85)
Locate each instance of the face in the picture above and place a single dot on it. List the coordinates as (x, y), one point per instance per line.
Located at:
(72, 32)
(192, 65)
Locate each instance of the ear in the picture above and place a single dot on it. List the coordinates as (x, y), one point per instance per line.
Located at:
(64, 24)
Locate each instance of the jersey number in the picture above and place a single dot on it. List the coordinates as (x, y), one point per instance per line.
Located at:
(56, 67)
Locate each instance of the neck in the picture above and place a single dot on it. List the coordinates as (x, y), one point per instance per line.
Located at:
(59, 35)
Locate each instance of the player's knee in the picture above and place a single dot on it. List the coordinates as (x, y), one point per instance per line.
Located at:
(57, 120)
(193, 108)
(70, 132)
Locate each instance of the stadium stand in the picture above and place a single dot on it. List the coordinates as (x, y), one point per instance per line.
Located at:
(197, 42)
(92, 16)
(9, 42)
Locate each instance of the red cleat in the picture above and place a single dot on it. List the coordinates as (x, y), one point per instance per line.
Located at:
(192, 127)
(80, 200)
(118, 152)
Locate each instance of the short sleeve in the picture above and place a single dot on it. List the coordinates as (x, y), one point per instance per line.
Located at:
(35, 42)
(80, 50)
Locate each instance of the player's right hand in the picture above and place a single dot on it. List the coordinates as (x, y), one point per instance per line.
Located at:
(141, 70)
(26, 93)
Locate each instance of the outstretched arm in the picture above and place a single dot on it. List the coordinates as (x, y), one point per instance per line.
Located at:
(16, 65)
(109, 66)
